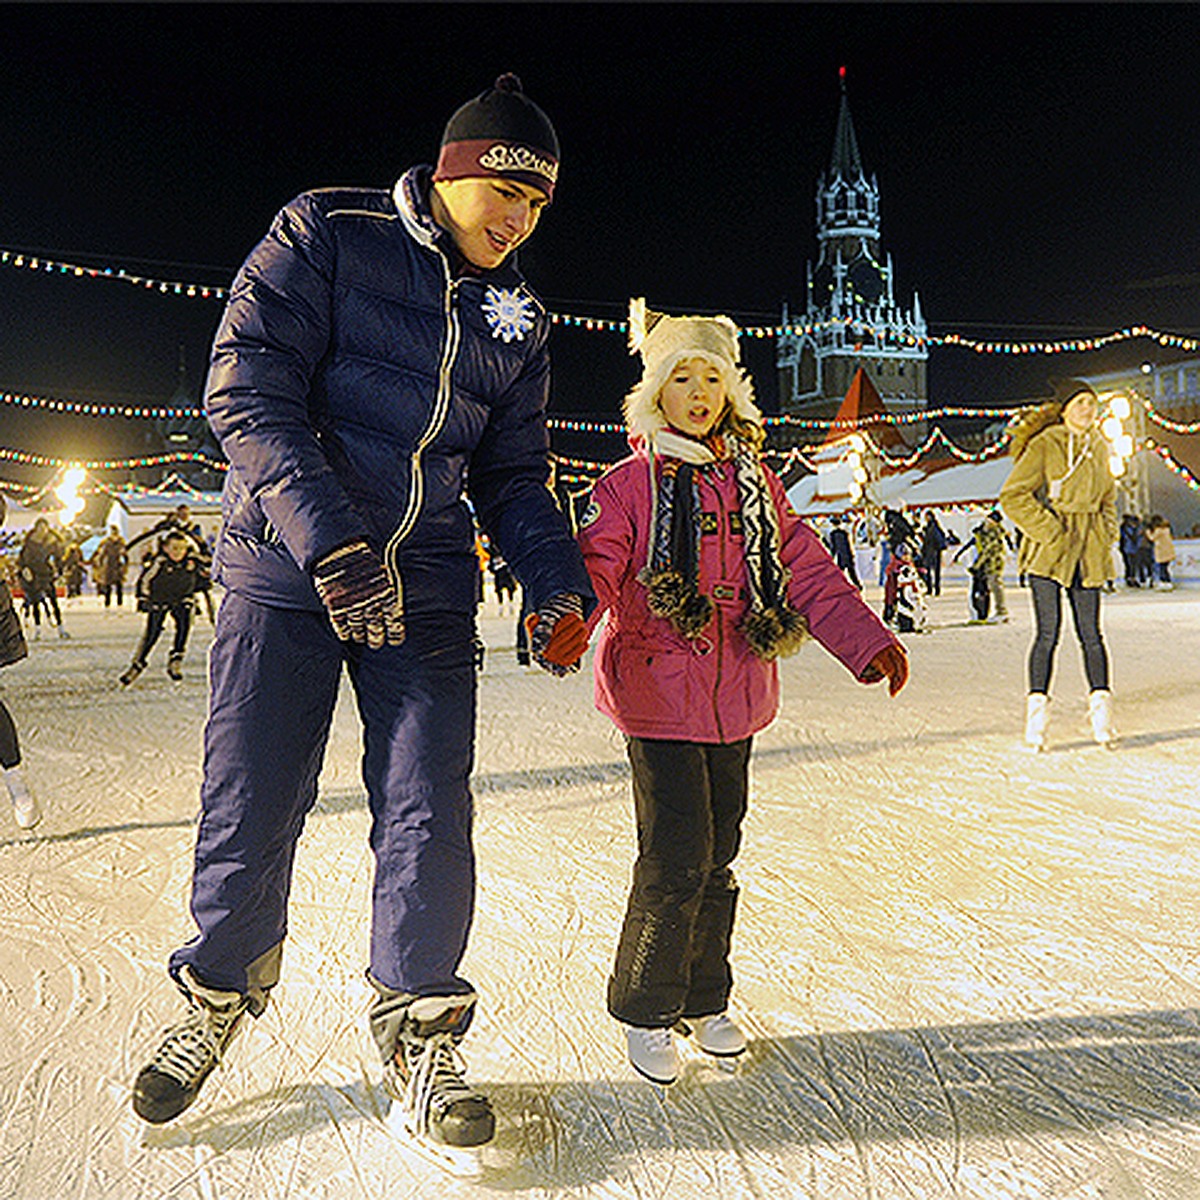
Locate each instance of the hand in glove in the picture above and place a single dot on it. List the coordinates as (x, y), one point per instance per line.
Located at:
(558, 635)
(362, 603)
(890, 663)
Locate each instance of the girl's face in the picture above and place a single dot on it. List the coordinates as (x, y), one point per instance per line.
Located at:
(693, 398)
(1080, 412)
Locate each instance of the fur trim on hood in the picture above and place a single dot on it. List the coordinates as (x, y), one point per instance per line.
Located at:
(664, 341)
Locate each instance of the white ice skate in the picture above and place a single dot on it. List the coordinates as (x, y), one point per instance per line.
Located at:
(718, 1034)
(652, 1054)
(1037, 716)
(1101, 719)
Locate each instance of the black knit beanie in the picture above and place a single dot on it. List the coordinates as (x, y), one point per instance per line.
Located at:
(501, 132)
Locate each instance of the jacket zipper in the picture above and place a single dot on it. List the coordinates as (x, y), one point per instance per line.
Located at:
(720, 646)
(437, 418)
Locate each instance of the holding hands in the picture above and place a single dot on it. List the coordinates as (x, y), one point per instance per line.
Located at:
(558, 634)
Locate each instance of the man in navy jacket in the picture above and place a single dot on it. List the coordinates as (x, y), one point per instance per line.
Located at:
(380, 363)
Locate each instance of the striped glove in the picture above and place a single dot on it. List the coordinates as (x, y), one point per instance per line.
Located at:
(362, 603)
(558, 635)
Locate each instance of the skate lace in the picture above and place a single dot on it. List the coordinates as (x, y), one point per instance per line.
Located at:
(657, 1041)
(436, 1078)
(195, 1044)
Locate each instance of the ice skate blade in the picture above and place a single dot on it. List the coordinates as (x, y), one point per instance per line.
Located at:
(463, 1162)
(658, 1083)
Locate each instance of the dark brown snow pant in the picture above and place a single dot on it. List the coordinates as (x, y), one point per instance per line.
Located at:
(673, 955)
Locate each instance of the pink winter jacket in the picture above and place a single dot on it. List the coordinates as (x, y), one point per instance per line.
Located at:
(655, 683)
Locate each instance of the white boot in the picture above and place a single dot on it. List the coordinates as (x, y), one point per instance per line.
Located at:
(1037, 715)
(25, 805)
(717, 1034)
(1100, 715)
(652, 1053)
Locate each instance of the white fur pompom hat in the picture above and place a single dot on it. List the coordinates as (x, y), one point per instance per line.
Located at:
(664, 341)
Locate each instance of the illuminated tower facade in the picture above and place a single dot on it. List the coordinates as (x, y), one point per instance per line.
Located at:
(852, 317)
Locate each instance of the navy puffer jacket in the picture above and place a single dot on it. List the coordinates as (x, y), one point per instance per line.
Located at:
(358, 390)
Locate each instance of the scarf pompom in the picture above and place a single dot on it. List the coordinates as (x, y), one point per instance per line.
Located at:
(775, 632)
(677, 600)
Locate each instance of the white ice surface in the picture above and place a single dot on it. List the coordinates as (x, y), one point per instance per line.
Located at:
(967, 971)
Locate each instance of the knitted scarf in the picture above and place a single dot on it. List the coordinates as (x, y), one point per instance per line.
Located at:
(771, 626)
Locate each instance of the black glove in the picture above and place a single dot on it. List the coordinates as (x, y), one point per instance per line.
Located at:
(558, 635)
(362, 603)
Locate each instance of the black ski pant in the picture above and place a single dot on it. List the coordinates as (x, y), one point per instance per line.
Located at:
(1047, 612)
(156, 618)
(673, 954)
(10, 746)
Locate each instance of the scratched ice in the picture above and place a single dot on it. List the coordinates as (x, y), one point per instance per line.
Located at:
(967, 971)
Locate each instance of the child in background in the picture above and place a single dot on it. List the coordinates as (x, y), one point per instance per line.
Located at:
(903, 602)
(167, 586)
(707, 576)
(1158, 532)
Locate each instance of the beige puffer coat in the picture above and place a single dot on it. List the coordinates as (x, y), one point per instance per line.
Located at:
(1076, 528)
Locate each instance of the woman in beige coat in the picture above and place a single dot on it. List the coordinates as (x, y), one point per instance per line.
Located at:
(1062, 497)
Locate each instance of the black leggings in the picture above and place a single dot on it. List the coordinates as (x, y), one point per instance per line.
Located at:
(1047, 612)
(10, 748)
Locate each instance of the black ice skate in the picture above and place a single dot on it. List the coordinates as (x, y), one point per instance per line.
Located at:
(169, 1083)
(175, 666)
(433, 1106)
(131, 673)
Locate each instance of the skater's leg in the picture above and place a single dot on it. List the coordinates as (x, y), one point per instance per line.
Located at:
(671, 792)
(1085, 612)
(1047, 615)
(710, 976)
(273, 681)
(156, 618)
(417, 702)
(181, 614)
(25, 806)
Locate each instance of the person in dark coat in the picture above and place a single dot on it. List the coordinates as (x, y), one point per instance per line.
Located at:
(380, 373)
(165, 587)
(39, 565)
(26, 810)
(110, 560)
(933, 543)
(838, 541)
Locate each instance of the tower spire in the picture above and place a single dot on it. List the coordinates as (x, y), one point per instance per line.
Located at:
(846, 162)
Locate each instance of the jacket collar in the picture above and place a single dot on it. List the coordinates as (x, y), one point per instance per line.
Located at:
(411, 198)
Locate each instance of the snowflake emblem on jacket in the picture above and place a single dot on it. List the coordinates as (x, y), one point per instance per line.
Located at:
(509, 314)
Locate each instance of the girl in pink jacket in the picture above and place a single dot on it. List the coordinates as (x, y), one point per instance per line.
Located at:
(707, 576)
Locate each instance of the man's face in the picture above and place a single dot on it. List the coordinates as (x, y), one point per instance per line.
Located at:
(487, 217)
(176, 548)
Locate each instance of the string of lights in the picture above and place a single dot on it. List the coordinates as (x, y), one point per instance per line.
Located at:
(853, 325)
(23, 458)
(1175, 466)
(34, 262)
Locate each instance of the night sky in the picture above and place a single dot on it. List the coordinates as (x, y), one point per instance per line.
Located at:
(1037, 168)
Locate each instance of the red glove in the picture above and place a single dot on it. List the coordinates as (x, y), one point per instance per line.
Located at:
(890, 663)
(558, 634)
